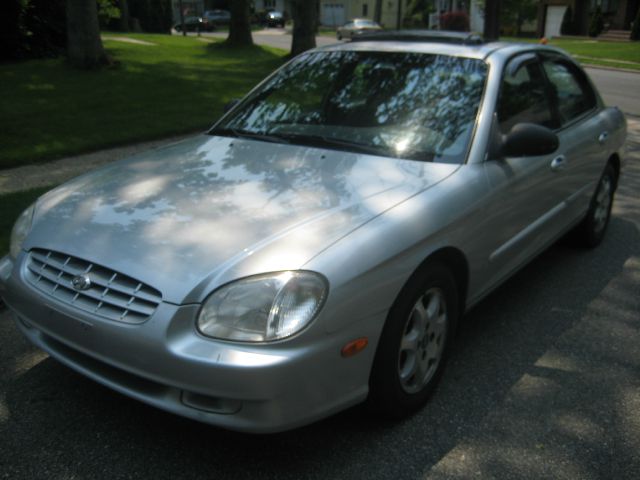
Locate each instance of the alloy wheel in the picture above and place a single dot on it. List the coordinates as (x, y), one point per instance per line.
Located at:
(423, 340)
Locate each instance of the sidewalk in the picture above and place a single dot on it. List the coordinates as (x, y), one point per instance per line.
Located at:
(56, 172)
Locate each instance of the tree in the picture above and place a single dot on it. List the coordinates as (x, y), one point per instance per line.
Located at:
(305, 23)
(416, 14)
(377, 13)
(12, 33)
(491, 20)
(32, 29)
(240, 26)
(84, 45)
(515, 13)
(124, 16)
(568, 27)
(108, 14)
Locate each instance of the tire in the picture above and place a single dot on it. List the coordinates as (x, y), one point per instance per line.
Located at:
(414, 343)
(590, 232)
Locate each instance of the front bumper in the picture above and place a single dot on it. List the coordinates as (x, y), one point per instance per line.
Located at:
(166, 363)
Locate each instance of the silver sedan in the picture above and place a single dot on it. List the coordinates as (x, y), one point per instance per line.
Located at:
(356, 26)
(317, 247)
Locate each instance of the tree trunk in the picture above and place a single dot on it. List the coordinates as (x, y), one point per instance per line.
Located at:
(492, 20)
(84, 45)
(124, 16)
(240, 26)
(377, 13)
(305, 22)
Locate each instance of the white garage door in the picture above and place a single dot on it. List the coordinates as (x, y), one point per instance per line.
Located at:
(554, 21)
(333, 14)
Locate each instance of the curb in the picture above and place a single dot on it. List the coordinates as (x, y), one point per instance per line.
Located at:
(614, 69)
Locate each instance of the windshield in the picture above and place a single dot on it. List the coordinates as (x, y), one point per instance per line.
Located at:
(406, 105)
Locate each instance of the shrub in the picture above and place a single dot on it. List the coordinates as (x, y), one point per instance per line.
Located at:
(457, 21)
(596, 25)
(568, 26)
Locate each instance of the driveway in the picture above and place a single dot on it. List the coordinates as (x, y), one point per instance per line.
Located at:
(544, 382)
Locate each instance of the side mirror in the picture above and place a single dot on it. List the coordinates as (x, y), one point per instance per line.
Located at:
(528, 140)
(230, 104)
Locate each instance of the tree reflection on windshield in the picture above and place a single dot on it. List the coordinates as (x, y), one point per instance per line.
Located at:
(408, 105)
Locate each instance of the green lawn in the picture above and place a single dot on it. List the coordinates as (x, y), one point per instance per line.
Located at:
(11, 206)
(178, 85)
(594, 52)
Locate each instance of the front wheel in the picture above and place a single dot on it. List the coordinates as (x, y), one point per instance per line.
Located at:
(414, 343)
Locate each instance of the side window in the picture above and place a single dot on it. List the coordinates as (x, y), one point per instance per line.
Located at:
(570, 89)
(522, 95)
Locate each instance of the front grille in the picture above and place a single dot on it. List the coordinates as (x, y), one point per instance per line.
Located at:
(110, 294)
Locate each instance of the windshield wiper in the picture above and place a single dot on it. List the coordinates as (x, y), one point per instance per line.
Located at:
(237, 133)
(321, 141)
(324, 141)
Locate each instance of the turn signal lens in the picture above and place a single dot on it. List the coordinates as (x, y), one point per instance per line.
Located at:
(354, 346)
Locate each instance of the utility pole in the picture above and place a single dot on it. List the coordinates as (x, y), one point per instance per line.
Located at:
(491, 19)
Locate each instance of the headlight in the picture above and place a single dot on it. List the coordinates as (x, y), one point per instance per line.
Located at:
(263, 308)
(20, 231)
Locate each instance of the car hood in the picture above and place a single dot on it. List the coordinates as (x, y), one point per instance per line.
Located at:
(194, 215)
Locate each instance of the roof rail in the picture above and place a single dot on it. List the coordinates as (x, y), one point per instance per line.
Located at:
(435, 36)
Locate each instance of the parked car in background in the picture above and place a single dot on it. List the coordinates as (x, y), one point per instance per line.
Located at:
(192, 24)
(217, 17)
(275, 19)
(318, 246)
(355, 26)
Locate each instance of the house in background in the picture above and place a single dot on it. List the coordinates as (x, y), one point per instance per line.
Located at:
(618, 15)
(272, 5)
(335, 13)
(473, 8)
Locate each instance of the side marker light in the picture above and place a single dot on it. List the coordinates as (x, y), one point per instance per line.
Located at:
(354, 346)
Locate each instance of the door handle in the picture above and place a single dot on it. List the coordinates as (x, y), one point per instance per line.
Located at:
(603, 137)
(559, 163)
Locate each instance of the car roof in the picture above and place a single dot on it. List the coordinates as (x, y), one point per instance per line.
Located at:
(440, 43)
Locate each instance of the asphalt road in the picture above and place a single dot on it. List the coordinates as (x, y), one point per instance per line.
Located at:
(618, 88)
(544, 382)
